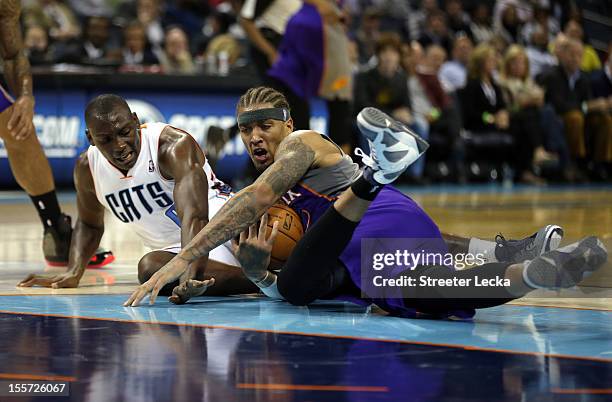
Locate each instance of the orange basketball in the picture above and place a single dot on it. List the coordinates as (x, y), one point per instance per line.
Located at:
(290, 231)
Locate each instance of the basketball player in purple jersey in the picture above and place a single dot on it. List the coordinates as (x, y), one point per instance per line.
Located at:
(341, 205)
(26, 157)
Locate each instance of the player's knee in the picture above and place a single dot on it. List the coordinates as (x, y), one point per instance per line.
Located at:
(145, 269)
(292, 292)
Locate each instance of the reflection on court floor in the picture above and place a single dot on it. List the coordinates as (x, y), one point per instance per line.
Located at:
(248, 348)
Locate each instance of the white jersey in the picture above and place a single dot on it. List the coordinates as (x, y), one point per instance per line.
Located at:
(143, 198)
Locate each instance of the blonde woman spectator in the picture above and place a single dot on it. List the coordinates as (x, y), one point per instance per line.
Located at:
(176, 58)
(55, 17)
(530, 120)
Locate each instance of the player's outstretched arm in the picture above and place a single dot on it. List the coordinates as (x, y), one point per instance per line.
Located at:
(182, 159)
(16, 70)
(292, 160)
(86, 235)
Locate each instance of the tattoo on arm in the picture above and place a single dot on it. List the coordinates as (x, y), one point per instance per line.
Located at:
(16, 64)
(292, 160)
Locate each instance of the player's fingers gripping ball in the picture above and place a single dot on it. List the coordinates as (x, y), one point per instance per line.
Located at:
(290, 231)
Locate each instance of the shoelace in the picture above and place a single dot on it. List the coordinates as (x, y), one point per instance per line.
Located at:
(366, 159)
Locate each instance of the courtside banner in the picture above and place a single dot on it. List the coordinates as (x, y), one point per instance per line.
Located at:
(60, 125)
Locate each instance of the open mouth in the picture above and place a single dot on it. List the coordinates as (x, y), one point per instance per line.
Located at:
(127, 158)
(260, 154)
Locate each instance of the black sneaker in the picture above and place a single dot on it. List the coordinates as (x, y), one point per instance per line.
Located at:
(544, 240)
(566, 266)
(56, 246)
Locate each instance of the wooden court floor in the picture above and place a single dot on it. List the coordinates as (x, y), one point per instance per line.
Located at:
(480, 212)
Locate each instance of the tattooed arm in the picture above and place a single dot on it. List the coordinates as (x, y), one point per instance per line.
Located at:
(16, 69)
(292, 160)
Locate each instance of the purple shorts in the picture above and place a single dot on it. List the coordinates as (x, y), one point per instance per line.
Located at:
(6, 100)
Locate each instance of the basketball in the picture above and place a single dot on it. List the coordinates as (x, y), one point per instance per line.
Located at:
(290, 231)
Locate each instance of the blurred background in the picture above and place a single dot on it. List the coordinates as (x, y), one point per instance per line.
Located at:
(507, 91)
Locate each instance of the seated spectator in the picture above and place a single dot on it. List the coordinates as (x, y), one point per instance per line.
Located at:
(55, 18)
(418, 16)
(216, 39)
(481, 26)
(136, 50)
(458, 20)
(568, 90)
(149, 14)
(435, 56)
(176, 59)
(431, 106)
(36, 44)
(541, 20)
(95, 47)
(537, 52)
(601, 120)
(384, 87)
(532, 124)
(453, 73)
(510, 25)
(486, 109)
(590, 59)
(367, 35)
(436, 32)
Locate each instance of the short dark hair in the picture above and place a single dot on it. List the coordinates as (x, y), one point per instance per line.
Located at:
(103, 105)
(259, 95)
(389, 40)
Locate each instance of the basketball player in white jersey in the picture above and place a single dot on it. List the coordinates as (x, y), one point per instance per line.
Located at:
(155, 179)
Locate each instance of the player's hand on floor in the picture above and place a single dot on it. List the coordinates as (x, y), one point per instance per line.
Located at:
(168, 273)
(20, 123)
(188, 289)
(65, 280)
(253, 250)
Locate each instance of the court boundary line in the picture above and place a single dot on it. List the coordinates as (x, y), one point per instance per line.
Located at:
(402, 341)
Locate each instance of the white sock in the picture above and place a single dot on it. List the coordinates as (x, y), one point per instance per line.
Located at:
(485, 248)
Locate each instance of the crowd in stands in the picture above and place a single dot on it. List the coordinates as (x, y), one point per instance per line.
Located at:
(471, 76)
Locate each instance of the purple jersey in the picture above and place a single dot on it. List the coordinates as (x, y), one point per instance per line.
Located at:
(391, 215)
(5, 100)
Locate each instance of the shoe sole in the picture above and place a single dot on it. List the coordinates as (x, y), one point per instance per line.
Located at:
(589, 252)
(372, 121)
(107, 260)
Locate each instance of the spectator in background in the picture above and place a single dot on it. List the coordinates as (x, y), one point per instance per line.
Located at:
(86, 9)
(435, 56)
(458, 20)
(384, 87)
(416, 19)
(176, 58)
(36, 45)
(453, 73)
(541, 20)
(436, 32)
(481, 26)
(509, 26)
(95, 47)
(590, 59)
(55, 18)
(568, 90)
(537, 52)
(431, 106)
(149, 14)
(264, 24)
(601, 87)
(136, 50)
(484, 108)
(367, 35)
(522, 8)
(532, 124)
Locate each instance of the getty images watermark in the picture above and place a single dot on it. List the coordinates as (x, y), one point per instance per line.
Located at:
(392, 267)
